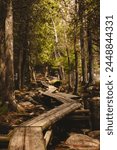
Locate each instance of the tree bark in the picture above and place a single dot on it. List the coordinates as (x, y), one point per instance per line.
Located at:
(9, 52)
(69, 70)
(2, 51)
(57, 53)
(91, 59)
(68, 61)
(9, 76)
(82, 43)
(21, 43)
(75, 50)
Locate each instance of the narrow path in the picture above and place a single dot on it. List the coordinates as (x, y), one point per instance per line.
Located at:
(30, 134)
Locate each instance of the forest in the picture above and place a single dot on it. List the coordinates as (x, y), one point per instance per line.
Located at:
(49, 54)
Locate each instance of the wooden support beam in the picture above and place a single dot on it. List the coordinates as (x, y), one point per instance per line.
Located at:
(4, 138)
(47, 137)
(17, 140)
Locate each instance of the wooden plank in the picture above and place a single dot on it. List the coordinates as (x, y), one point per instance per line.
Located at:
(17, 139)
(50, 120)
(51, 88)
(82, 111)
(30, 137)
(45, 115)
(47, 136)
(34, 139)
(67, 95)
(4, 138)
(58, 97)
(27, 138)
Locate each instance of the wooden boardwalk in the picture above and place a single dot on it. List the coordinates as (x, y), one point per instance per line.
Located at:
(30, 134)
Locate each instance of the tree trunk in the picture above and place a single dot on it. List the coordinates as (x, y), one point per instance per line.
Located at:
(19, 68)
(21, 43)
(75, 50)
(46, 70)
(2, 51)
(57, 53)
(69, 70)
(9, 76)
(68, 60)
(9, 52)
(90, 67)
(82, 44)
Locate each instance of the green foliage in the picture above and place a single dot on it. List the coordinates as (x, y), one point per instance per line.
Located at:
(41, 34)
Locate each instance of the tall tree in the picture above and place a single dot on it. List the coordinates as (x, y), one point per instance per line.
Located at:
(2, 50)
(22, 15)
(7, 75)
(91, 58)
(57, 53)
(83, 45)
(9, 51)
(75, 47)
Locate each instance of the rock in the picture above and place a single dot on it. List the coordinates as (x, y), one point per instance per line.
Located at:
(94, 134)
(26, 97)
(82, 142)
(27, 105)
(85, 131)
(17, 92)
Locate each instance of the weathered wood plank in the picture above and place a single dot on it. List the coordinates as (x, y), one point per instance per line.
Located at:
(50, 120)
(17, 139)
(4, 138)
(47, 136)
(45, 115)
(51, 88)
(34, 139)
(82, 111)
(66, 95)
(29, 136)
(58, 97)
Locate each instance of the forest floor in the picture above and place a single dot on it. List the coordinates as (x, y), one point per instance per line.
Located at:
(66, 134)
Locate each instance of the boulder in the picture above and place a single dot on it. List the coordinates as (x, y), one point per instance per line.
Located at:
(94, 134)
(82, 142)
